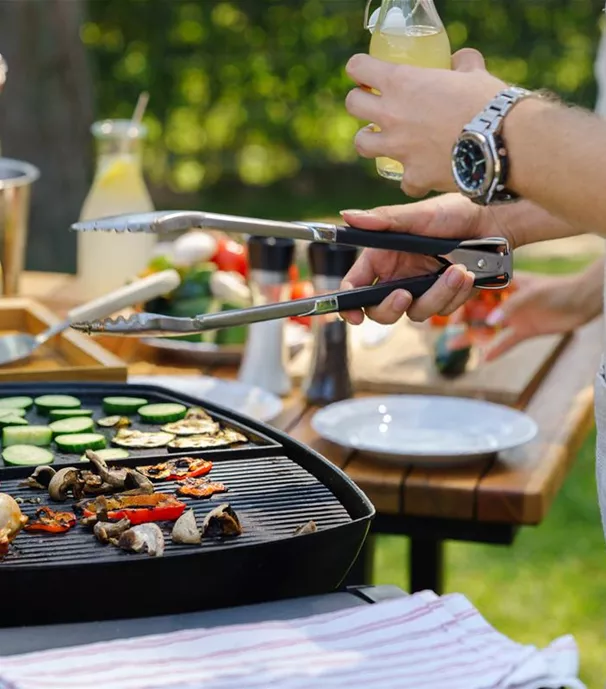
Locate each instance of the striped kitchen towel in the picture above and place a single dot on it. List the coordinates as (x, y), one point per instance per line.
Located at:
(418, 642)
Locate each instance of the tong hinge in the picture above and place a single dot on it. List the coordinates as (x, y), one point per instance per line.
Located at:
(486, 258)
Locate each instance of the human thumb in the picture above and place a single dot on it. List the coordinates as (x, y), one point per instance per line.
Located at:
(468, 60)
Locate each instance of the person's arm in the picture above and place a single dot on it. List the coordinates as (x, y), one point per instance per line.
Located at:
(558, 160)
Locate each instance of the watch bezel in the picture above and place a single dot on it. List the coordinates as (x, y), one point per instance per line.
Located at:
(493, 172)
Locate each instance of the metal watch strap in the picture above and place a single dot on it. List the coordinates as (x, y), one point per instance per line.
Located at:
(490, 120)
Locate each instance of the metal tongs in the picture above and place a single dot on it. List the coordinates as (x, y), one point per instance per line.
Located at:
(489, 259)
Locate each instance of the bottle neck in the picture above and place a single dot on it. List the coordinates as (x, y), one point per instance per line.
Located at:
(399, 14)
(108, 149)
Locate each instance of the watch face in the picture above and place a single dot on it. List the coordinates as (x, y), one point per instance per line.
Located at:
(470, 165)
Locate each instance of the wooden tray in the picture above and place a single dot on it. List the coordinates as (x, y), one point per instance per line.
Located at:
(70, 356)
(402, 365)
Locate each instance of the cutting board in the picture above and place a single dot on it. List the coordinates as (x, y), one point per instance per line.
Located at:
(402, 364)
(70, 356)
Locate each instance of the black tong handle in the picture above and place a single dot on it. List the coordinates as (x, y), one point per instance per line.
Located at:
(364, 297)
(396, 241)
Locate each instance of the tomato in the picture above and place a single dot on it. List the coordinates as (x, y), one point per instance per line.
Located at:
(300, 290)
(231, 256)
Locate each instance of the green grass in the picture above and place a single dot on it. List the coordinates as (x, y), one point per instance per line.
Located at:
(552, 581)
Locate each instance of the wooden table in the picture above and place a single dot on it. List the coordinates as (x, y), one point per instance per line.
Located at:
(487, 502)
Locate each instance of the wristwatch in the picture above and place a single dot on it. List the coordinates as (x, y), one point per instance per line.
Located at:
(480, 163)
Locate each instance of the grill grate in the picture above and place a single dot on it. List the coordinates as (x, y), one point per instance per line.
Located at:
(271, 495)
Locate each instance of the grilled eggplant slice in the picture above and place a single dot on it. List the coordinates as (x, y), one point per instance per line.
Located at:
(223, 438)
(143, 538)
(197, 413)
(222, 522)
(192, 426)
(140, 440)
(185, 531)
(114, 422)
(11, 521)
(200, 488)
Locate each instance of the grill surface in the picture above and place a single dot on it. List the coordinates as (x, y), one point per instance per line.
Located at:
(274, 484)
(271, 495)
(93, 401)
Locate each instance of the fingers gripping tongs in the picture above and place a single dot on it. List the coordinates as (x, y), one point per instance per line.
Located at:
(489, 259)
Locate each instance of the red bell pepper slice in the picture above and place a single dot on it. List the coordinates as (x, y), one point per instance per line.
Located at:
(49, 521)
(140, 509)
(173, 469)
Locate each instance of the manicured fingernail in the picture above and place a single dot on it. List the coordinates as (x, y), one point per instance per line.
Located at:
(402, 301)
(353, 211)
(456, 277)
(495, 317)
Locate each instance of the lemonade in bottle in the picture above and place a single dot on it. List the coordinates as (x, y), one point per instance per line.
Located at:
(107, 261)
(407, 32)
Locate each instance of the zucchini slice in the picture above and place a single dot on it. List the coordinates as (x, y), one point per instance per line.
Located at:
(123, 405)
(39, 436)
(20, 402)
(46, 403)
(26, 455)
(74, 424)
(162, 413)
(224, 438)
(79, 442)
(139, 440)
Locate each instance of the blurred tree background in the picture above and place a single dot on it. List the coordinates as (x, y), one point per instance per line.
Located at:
(247, 96)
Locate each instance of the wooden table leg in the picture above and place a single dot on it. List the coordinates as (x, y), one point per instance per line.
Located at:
(361, 572)
(426, 561)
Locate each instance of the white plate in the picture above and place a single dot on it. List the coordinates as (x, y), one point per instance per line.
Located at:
(244, 399)
(429, 429)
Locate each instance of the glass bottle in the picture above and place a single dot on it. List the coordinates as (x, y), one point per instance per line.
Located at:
(407, 32)
(328, 378)
(265, 358)
(108, 260)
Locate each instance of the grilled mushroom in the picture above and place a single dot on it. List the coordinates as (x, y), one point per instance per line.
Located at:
(107, 532)
(186, 530)
(61, 482)
(40, 479)
(144, 537)
(11, 521)
(221, 522)
(310, 527)
(121, 479)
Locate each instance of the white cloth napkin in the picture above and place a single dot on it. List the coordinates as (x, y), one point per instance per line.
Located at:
(418, 642)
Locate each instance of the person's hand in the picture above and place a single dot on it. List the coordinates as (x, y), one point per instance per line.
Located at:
(420, 113)
(545, 305)
(449, 215)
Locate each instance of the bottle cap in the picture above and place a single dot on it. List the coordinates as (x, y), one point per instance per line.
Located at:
(331, 260)
(270, 254)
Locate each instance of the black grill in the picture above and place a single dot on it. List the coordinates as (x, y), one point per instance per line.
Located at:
(275, 485)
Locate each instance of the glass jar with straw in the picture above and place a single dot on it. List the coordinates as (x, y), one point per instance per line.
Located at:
(106, 261)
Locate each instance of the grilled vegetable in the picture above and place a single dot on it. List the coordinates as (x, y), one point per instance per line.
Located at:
(107, 532)
(78, 442)
(191, 427)
(40, 479)
(120, 478)
(222, 439)
(16, 402)
(62, 482)
(143, 538)
(50, 521)
(13, 420)
(27, 455)
(11, 521)
(197, 413)
(11, 411)
(123, 405)
(114, 422)
(46, 403)
(71, 425)
(109, 453)
(138, 509)
(200, 488)
(310, 527)
(185, 530)
(140, 440)
(56, 414)
(162, 413)
(27, 435)
(221, 522)
(177, 469)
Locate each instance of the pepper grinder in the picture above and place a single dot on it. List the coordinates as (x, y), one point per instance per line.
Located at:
(264, 363)
(328, 378)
